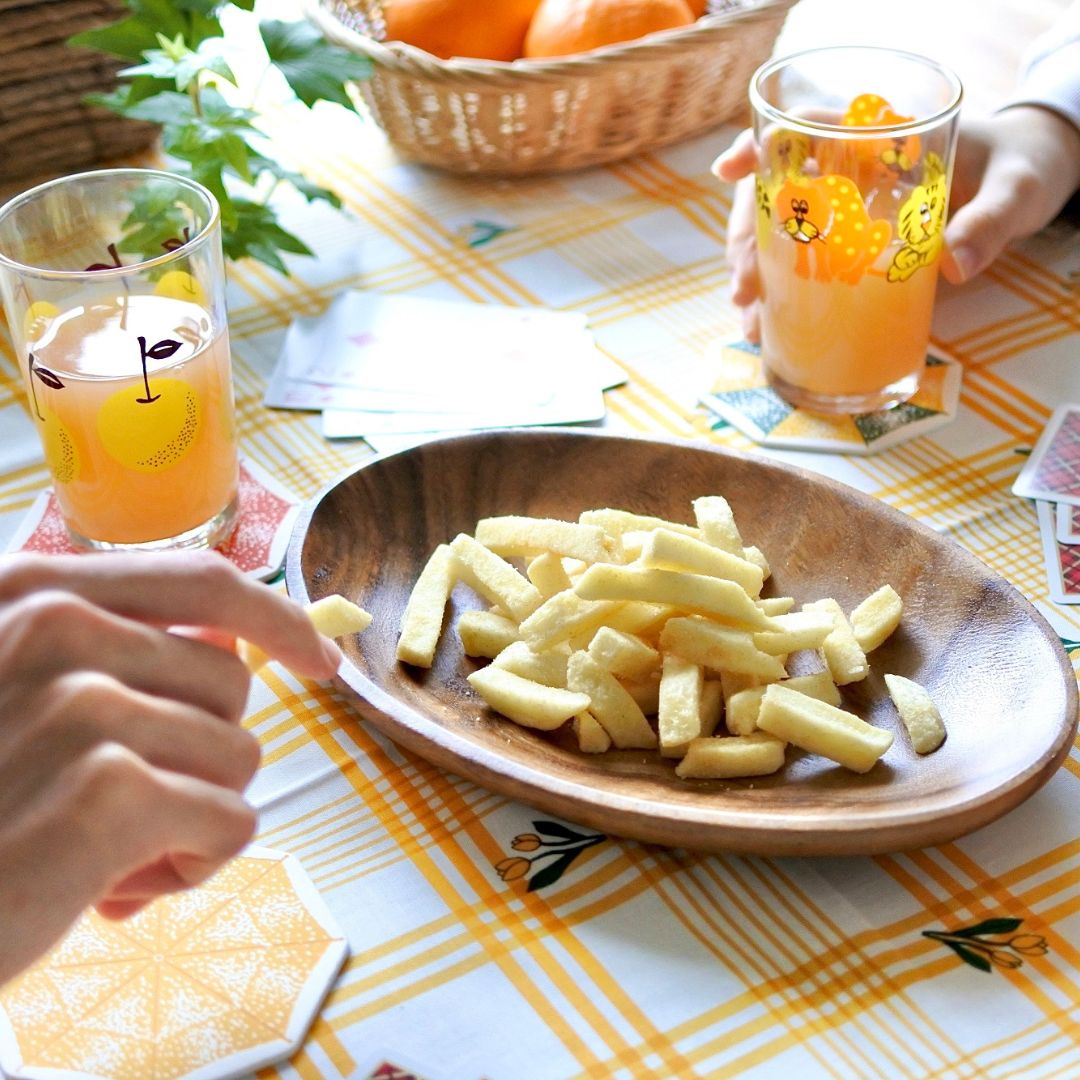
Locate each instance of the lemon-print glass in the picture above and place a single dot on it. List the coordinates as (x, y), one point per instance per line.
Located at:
(855, 151)
(113, 287)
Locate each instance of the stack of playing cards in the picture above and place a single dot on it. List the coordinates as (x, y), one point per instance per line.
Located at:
(378, 367)
(1051, 476)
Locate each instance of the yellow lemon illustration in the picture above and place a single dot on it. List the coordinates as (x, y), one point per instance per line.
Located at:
(150, 435)
(61, 454)
(180, 285)
(37, 318)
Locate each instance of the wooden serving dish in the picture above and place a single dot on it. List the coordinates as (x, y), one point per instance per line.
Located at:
(993, 665)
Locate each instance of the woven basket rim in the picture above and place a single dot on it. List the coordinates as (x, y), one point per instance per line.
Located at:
(408, 59)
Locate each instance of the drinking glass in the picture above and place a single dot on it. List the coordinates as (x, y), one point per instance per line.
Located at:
(855, 153)
(114, 290)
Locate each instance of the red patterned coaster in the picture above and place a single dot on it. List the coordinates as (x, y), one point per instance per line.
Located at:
(257, 545)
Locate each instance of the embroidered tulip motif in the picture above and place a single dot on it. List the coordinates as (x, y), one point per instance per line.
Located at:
(563, 846)
(974, 947)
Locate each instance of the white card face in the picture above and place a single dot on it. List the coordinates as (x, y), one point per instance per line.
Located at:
(402, 365)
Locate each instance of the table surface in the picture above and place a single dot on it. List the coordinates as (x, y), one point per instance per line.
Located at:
(642, 961)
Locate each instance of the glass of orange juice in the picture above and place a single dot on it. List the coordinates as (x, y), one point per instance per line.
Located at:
(855, 152)
(114, 290)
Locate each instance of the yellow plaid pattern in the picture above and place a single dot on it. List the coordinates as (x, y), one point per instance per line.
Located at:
(638, 961)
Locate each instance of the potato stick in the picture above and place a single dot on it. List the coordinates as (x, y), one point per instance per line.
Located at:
(623, 654)
(333, 616)
(612, 705)
(422, 620)
(719, 648)
(757, 557)
(734, 681)
(876, 617)
(729, 758)
(722, 600)
(509, 536)
(743, 708)
(712, 705)
(645, 692)
(843, 656)
(618, 522)
(776, 605)
(644, 620)
(525, 702)
(494, 578)
(819, 685)
(563, 616)
(590, 734)
(717, 524)
(680, 705)
(798, 630)
(485, 633)
(822, 728)
(548, 667)
(633, 542)
(667, 550)
(548, 574)
(918, 712)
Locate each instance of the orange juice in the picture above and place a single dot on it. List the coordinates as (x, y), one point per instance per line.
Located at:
(837, 339)
(133, 400)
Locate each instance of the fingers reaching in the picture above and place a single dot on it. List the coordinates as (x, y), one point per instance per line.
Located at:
(738, 160)
(195, 589)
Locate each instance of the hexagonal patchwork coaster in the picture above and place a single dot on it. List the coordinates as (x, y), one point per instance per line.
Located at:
(742, 397)
(210, 983)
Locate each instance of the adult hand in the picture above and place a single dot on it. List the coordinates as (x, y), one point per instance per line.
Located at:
(1014, 172)
(122, 758)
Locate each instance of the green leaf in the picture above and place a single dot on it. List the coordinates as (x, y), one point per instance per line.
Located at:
(989, 926)
(157, 215)
(970, 956)
(129, 38)
(553, 828)
(554, 870)
(314, 69)
(167, 108)
(308, 188)
(182, 66)
(258, 235)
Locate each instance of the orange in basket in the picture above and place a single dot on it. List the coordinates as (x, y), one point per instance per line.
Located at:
(474, 28)
(564, 27)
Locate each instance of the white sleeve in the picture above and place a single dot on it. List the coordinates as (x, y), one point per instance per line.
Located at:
(1050, 71)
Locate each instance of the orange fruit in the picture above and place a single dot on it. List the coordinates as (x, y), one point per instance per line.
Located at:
(563, 27)
(476, 28)
(697, 7)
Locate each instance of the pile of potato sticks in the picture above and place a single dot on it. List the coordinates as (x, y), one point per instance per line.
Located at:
(645, 633)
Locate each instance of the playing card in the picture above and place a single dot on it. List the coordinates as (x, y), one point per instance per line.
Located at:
(1062, 560)
(1068, 523)
(397, 364)
(1052, 472)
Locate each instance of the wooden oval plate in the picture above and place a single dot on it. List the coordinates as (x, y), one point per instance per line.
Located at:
(993, 665)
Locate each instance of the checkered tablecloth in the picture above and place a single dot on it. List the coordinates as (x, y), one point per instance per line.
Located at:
(639, 961)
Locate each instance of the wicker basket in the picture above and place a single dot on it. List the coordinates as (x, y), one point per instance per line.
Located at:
(46, 129)
(533, 116)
